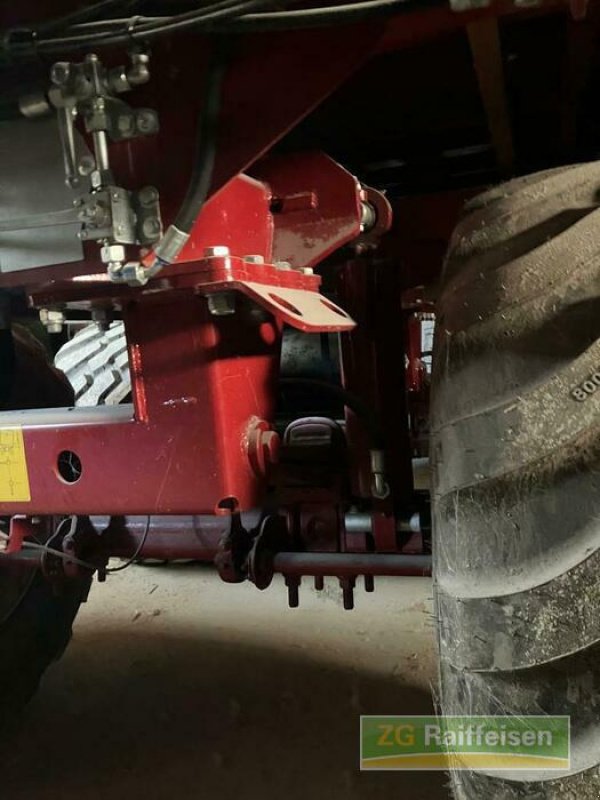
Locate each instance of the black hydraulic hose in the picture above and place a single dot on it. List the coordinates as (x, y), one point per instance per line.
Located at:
(207, 134)
(363, 411)
(171, 244)
(325, 16)
(139, 28)
(227, 16)
(82, 15)
(178, 232)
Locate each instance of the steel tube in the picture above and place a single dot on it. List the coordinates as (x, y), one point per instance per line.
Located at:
(343, 565)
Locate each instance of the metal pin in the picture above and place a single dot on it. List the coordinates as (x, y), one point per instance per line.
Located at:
(369, 583)
(319, 583)
(293, 583)
(348, 585)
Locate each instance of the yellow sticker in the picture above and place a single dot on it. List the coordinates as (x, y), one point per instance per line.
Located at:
(14, 477)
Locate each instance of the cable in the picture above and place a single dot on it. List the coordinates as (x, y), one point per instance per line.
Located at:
(142, 29)
(138, 549)
(82, 15)
(52, 551)
(66, 557)
(228, 16)
(319, 17)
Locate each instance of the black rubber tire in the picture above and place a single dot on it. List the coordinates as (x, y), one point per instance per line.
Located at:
(516, 463)
(35, 617)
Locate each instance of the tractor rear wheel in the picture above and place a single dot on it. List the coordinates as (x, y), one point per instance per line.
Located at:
(516, 460)
(35, 618)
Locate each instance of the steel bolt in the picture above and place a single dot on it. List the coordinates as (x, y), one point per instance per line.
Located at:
(146, 121)
(87, 165)
(112, 252)
(347, 585)
(147, 196)
(293, 585)
(151, 227)
(218, 251)
(60, 73)
(221, 304)
(259, 260)
(132, 273)
(125, 124)
(52, 319)
(100, 317)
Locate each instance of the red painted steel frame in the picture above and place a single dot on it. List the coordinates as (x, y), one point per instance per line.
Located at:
(201, 383)
(197, 387)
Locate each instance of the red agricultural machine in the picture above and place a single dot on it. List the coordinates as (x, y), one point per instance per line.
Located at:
(241, 207)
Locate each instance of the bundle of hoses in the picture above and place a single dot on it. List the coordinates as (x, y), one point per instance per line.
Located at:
(95, 26)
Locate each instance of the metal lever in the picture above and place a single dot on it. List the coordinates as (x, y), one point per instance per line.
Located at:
(66, 129)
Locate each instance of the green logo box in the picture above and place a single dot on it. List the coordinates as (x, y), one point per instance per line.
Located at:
(465, 743)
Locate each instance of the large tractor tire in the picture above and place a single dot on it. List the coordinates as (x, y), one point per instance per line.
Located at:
(516, 456)
(35, 617)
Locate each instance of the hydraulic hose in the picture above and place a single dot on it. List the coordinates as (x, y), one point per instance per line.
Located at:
(178, 232)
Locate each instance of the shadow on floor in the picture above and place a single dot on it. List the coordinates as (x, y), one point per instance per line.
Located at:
(135, 715)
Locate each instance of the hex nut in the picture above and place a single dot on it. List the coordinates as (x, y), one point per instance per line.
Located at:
(112, 252)
(52, 319)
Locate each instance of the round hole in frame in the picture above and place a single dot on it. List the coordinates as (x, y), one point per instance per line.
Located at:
(68, 466)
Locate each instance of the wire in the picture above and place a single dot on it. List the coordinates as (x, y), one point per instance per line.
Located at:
(138, 549)
(66, 557)
(52, 551)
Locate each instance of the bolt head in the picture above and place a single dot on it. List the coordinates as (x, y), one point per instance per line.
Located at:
(146, 121)
(87, 165)
(125, 124)
(112, 252)
(148, 196)
(254, 259)
(132, 273)
(218, 251)
(151, 227)
(60, 73)
(52, 319)
(221, 304)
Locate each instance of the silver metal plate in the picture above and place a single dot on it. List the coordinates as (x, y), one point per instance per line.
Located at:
(38, 225)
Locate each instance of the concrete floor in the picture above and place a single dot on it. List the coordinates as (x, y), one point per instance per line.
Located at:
(178, 686)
